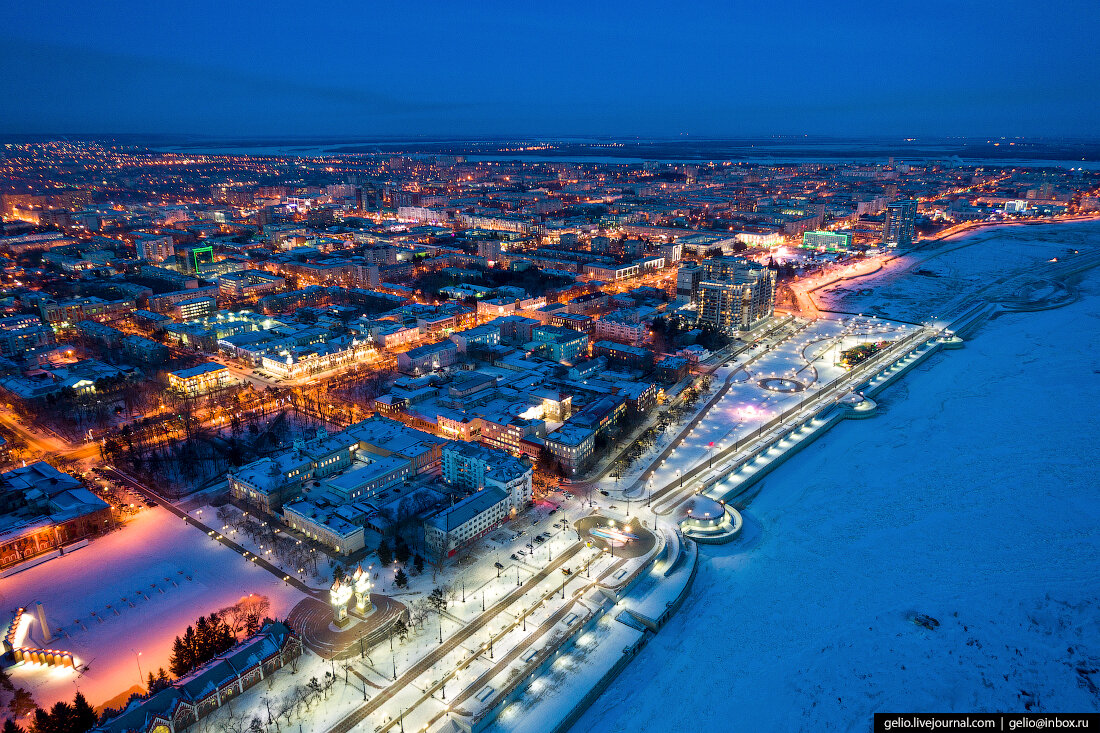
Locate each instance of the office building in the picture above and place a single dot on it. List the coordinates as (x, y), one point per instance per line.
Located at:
(827, 241)
(201, 379)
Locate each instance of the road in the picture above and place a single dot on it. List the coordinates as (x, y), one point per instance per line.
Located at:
(449, 645)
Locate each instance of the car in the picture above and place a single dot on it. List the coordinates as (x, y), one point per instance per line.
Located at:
(604, 492)
(539, 539)
(553, 511)
(513, 557)
(521, 552)
(530, 546)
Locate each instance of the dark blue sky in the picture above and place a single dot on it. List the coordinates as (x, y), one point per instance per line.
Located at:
(482, 67)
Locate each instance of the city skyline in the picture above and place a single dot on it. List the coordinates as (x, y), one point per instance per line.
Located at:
(707, 70)
(499, 367)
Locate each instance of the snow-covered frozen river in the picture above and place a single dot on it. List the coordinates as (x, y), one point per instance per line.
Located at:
(972, 498)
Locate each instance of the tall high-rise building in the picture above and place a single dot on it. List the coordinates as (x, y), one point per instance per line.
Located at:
(735, 294)
(899, 227)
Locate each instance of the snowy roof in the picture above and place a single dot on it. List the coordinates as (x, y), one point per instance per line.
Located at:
(200, 683)
(465, 510)
(204, 368)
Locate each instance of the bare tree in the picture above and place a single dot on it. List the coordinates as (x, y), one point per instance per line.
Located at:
(287, 706)
(230, 723)
(270, 705)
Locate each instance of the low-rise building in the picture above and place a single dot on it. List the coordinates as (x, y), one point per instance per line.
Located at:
(561, 344)
(141, 350)
(42, 510)
(326, 525)
(249, 284)
(429, 358)
(204, 378)
(571, 445)
(469, 519)
(631, 357)
(202, 691)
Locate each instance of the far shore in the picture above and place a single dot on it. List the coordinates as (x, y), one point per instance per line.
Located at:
(969, 228)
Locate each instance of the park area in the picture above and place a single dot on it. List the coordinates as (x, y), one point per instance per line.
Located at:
(119, 603)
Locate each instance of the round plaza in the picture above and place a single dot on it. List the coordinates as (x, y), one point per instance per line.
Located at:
(628, 539)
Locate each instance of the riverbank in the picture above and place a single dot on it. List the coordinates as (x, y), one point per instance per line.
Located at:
(970, 502)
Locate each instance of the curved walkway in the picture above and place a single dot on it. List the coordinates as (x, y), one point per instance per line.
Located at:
(312, 619)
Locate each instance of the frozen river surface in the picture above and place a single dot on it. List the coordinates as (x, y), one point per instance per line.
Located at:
(972, 498)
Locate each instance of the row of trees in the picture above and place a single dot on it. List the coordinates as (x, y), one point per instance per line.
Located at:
(293, 553)
(75, 717)
(209, 637)
(434, 603)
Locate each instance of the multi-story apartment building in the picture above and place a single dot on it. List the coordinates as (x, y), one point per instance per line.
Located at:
(899, 226)
(735, 294)
(621, 330)
(561, 344)
(144, 351)
(154, 247)
(68, 312)
(687, 283)
(473, 467)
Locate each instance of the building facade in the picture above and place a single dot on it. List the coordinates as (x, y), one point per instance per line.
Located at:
(735, 294)
(899, 226)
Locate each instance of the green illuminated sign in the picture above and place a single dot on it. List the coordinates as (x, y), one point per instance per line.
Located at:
(209, 251)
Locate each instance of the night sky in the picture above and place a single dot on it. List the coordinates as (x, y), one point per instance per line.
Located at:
(236, 68)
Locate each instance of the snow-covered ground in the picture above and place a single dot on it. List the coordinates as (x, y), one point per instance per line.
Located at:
(929, 283)
(807, 360)
(168, 573)
(971, 498)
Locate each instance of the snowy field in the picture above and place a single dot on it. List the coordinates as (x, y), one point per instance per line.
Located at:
(971, 498)
(168, 573)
